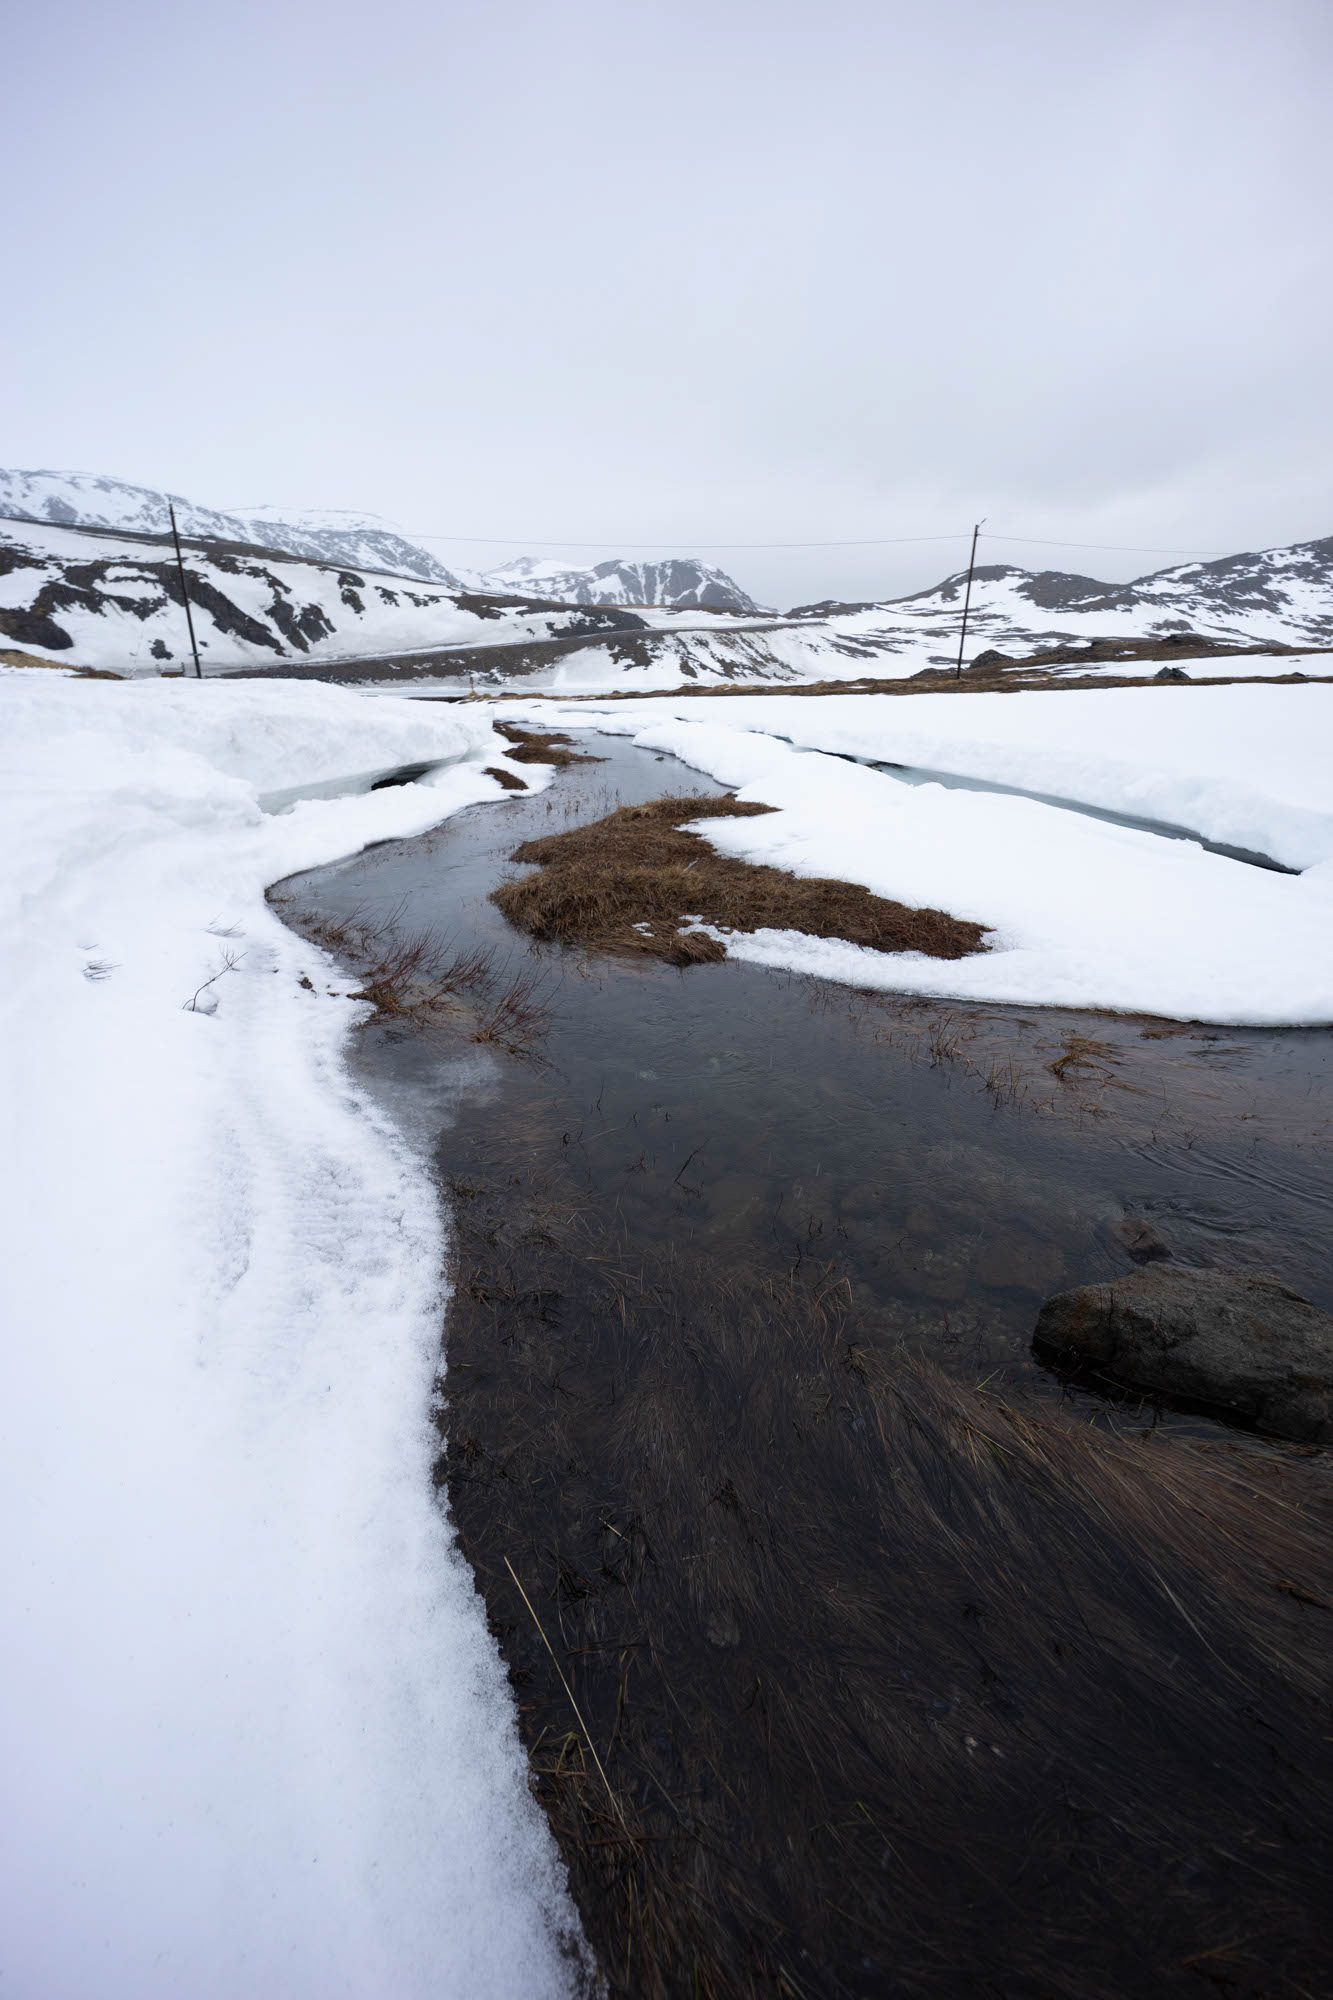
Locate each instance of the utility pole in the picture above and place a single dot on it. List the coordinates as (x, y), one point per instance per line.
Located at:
(971, 565)
(180, 564)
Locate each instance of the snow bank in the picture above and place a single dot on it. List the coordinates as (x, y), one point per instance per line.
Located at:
(1248, 767)
(272, 734)
(256, 1738)
(1084, 913)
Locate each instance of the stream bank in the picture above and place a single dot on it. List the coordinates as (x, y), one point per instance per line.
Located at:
(908, 1667)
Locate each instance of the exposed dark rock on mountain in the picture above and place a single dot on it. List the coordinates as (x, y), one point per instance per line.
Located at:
(834, 607)
(681, 583)
(93, 500)
(350, 590)
(601, 618)
(1292, 584)
(1105, 652)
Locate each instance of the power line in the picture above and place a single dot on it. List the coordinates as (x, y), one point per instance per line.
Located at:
(620, 542)
(1125, 548)
(861, 542)
(522, 541)
(541, 542)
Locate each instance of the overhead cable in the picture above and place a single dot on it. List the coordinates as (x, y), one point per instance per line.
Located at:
(544, 542)
(541, 542)
(1125, 548)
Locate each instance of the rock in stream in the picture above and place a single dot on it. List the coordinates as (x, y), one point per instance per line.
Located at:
(1248, 1347)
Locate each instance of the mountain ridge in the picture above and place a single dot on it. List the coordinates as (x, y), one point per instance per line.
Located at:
(1282, 593)
(98, 500)
(1255, 580)
(358, 541)
(681, 582)
(112, 596)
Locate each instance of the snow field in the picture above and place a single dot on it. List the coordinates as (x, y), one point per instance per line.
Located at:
(847, 647)
(1084, 913)
(256, 1738)
(1248, 767)
(795, 653)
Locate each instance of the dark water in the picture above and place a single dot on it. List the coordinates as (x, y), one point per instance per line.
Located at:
(901, 1669)
(927, 1148)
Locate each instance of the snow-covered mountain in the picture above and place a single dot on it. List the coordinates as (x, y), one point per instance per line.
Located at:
(1280, 597)
(681, 582)
(360, 541)
(102, 589)
(90, 597)
(1283, 594)
(92, 500)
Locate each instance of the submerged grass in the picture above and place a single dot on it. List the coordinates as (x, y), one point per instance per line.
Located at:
(629, 881)
(838, 1677)
(425, 978)
(1082, 1052)
(515, 1015)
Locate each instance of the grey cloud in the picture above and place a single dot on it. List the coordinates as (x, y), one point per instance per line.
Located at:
(676, 275)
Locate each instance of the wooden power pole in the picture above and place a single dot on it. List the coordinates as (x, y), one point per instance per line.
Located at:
(967, 600)
(180, 565)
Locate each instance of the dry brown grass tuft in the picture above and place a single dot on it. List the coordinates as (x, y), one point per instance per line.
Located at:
(517, 1016)
(531, 746)
(12, 656)
(627, 882)
(1048, 669)
(1082, 1052)
(509, 779)
(948, 1037)
(425, 979)
(409, 973)
(417, 975)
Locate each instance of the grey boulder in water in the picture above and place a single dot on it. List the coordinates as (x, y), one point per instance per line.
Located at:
(1247, 1347)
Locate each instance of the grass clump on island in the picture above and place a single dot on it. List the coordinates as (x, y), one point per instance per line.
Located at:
(532, 746)
(628, 882)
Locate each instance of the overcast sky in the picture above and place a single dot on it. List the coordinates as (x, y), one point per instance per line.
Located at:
(689, 273)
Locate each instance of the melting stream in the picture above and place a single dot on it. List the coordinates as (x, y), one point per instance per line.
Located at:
(864, 1131)
(885, 1686)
